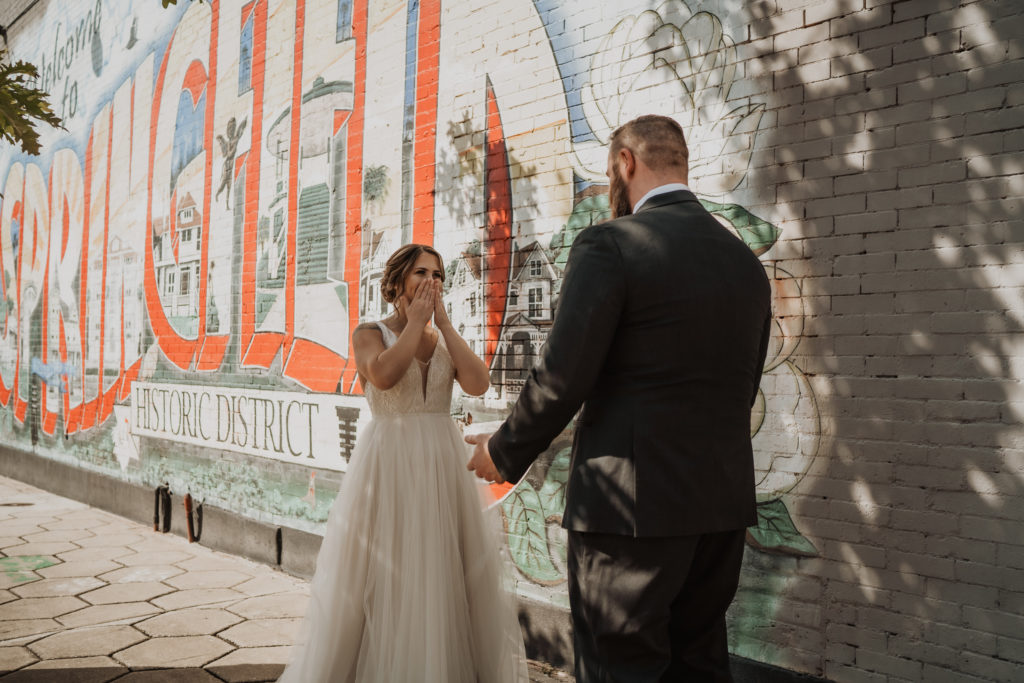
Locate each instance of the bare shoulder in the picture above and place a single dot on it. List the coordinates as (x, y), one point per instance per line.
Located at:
(364, 330)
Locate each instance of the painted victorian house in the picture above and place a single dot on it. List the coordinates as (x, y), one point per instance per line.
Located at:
(377, 246)
(176, 252)
(529, 313)
(465, 297)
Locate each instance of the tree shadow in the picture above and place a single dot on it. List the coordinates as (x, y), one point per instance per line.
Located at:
(894, 152)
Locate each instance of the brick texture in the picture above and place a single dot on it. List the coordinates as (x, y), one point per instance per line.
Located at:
(869, 152)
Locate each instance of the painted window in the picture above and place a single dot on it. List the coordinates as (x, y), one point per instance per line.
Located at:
(534, 268)
(513, 297)
(472, 303)
(245, 50)
(169, 283)
(536, 298)
(183, 285)
(344, 31)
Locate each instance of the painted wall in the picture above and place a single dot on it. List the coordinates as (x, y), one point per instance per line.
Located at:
(183, 266)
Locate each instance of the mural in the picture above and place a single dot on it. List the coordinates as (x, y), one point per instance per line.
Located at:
(183, 266)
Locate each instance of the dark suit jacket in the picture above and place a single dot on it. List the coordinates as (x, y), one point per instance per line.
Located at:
(660, 334)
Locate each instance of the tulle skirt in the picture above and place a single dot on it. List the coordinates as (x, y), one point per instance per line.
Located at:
(409, 582)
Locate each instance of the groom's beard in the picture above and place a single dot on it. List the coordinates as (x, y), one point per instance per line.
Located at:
(618, 196)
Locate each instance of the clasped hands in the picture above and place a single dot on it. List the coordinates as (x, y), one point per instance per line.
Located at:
(481, 463)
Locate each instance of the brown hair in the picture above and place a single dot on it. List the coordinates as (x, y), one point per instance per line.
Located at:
(398, 266)
(657, 140)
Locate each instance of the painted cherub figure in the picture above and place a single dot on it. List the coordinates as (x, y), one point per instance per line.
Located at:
(229, 147)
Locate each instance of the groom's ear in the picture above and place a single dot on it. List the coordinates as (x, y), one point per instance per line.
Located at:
(627, 163)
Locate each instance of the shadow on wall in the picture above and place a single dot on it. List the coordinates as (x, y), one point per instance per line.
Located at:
(898, 151)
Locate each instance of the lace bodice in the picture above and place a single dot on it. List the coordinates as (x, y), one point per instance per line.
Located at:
(407, 396)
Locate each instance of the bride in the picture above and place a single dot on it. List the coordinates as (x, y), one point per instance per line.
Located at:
(408, 580)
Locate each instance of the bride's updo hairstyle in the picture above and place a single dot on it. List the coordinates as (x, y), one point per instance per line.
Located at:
(398, 267)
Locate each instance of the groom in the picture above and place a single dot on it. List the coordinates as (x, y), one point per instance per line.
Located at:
(660, 335)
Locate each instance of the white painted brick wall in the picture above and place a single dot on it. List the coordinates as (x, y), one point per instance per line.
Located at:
(905, 167)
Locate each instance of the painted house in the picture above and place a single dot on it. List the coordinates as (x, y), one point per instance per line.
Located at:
(464, 300)
(376, 247)
(529, 313)
(176, 252)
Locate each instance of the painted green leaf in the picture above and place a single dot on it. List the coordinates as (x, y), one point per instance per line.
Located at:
(552, 493)
(528, 535)
(756, 233)
(589, 210)
(776, 532)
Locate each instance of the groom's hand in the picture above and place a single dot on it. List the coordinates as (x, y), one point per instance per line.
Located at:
(481, 462)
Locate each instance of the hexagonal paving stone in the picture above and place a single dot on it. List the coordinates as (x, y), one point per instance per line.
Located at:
(54, 587)
(19, 628)
(21, 528)
(127, 592)
(124, 527)
(252, 664)
(15, 571)
(143, 572)
(272, 606)
(125, 612)
(89, 554)
(40, 548)
(267, 584)
(13, 658)
(159, 557)
(86, 642)
(17, 579)
(199, 596)
(156, 541)
(170, 676)
(173, 652)
(39, 608)
(7, 596)
(211, 562)
(11, 541)
(57, 535)
(118, 539)
(209, 579)
(263, 632)
(188, 622)
(75, 520)
(79, 568)
(77, 670)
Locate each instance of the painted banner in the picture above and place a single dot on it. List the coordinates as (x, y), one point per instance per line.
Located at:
(316, 430)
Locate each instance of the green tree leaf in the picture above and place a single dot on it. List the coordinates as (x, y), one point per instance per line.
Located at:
(22, 105)
(776, 532)
(757, 233)
(528, 535)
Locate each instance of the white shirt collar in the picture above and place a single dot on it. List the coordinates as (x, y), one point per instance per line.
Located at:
(661, 189)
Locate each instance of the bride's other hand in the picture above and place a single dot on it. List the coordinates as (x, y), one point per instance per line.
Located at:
(440, 313)
(481, 463)
(422, 305)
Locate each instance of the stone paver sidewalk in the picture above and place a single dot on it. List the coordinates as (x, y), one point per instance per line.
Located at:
(89, 597)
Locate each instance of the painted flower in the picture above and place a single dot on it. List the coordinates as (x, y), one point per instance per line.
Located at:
(671, 61)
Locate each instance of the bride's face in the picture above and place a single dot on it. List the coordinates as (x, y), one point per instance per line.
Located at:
(427, 267)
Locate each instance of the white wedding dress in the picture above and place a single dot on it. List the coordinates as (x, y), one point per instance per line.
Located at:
(408, 584)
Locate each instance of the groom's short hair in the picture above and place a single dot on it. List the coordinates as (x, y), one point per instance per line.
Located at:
(657, 140)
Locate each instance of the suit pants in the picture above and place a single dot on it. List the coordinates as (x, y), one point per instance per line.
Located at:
(652, 609)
